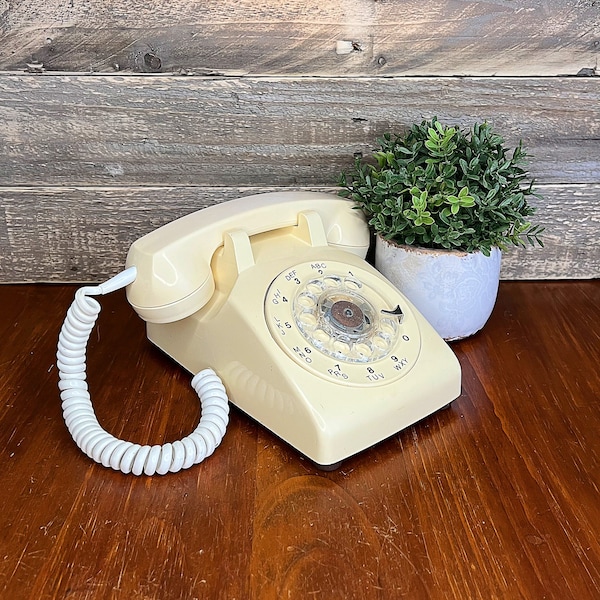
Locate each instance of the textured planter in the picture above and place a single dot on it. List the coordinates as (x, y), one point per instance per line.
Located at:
(454, 291)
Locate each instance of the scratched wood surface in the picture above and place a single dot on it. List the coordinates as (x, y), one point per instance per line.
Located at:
(303, 37)
(83, 234)
(88, 164)
(496, 497)
(141, 130)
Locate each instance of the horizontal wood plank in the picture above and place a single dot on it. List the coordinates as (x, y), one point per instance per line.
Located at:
(82, 234)
(141, 130)
(496, 497)
(306, 37)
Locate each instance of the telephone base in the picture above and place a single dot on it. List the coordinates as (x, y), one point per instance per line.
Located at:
(337, 465)
(309, 339)
(326, 421)
(324, 407)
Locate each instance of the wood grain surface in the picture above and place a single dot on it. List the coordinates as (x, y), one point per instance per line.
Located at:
(496, 497)
(83, 234)
(303, 37)
(88, 164)
(144, 130)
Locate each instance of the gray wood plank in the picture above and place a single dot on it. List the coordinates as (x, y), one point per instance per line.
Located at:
(309, 37)
(82, 234)
(144, 130)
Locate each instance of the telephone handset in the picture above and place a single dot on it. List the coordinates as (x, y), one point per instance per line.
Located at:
(272, 292)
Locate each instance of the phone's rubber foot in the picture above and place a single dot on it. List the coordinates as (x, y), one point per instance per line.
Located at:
(333, 467)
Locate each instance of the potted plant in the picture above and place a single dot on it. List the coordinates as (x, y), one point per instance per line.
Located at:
(444, 203)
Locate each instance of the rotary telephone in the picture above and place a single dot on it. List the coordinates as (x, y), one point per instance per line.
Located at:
(272, 292)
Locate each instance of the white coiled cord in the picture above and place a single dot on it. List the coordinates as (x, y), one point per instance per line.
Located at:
(80, 417)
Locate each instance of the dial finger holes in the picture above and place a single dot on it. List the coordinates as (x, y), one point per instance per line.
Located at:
(308, 320)
(307, 300)
(321, 336)
(352, 284)
(343, 321)
(341, 348)
(331, 281)
(387, 327)
(334, 314)
(381, 342)
(315, 286)
(364, 351)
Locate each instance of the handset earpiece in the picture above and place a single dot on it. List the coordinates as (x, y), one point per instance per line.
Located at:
(168, 289)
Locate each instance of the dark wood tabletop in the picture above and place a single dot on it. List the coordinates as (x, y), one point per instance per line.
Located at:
(495, 497)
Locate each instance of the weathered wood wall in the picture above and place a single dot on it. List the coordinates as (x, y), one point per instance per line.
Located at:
(116, 118)
(304, 37)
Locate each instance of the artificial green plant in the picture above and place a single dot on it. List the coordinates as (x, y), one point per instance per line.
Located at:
(437, 186)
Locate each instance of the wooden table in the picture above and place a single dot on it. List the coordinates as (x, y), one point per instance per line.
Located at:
(497, 497)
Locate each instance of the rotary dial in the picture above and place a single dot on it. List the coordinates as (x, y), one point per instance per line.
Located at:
(336, 318)
(343, 323)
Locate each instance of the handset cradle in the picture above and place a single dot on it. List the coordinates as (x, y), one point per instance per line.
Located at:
(174, 261)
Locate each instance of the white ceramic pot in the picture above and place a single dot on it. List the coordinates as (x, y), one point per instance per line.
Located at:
(454, 291)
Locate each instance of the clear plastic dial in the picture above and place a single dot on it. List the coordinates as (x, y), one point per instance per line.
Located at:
(339, 321)
(343, 323)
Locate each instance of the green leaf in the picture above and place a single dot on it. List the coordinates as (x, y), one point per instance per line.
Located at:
(433, 134)
(445, 187)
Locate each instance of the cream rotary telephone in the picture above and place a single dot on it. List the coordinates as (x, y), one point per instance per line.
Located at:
(272, 293)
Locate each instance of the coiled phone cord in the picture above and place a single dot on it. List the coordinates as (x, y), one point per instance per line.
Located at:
(80, 417)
